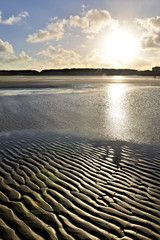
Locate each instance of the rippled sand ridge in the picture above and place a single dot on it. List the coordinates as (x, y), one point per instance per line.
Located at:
(62, 187)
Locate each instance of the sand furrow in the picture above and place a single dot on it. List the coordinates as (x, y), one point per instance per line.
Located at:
(61, 187)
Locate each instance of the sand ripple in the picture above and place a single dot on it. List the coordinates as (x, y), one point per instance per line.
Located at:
(60, 187)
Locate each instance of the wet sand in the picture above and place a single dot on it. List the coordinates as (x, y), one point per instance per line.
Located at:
(56, 81)
(56, 186)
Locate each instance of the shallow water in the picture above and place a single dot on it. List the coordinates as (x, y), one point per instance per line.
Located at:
(110, 111)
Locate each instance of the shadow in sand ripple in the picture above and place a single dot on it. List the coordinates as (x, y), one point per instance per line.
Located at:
(61, 187)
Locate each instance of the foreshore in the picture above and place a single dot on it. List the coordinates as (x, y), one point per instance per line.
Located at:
(59, 187)
(65, 81)
(79, 157)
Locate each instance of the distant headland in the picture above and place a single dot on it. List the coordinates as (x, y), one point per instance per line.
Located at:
(82, 72)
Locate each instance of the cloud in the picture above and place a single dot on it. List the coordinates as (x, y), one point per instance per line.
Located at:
(150, 32)
(48, 52)
(94, 21)
(91, 23)
(13, 59)
(5, 47)
(95, 58)
(150, 41)
(12, 20)
(61, 58)
(64, 58)
(152, 23)
(77, 21)
(52, 31)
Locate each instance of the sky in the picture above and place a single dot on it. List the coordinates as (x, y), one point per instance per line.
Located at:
(51, 34)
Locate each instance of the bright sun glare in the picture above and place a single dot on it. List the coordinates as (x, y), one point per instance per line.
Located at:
(121, 46)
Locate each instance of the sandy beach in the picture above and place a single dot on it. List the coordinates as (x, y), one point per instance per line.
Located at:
(60, 187)
(79, 161)
(56, 81)
(80, 120)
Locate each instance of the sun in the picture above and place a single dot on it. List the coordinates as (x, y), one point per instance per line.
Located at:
(121, 46)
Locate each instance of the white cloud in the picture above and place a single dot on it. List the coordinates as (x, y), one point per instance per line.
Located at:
(77, 21)
(150, 32)
(95, 59)
(52, 31)
(12, 20)
(5, 47)
(94, 21)
(61, 58)
(150, 41)
(13, 59)
(152, 23)
(48, 52)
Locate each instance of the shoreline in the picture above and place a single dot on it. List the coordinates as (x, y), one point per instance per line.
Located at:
(45, 81)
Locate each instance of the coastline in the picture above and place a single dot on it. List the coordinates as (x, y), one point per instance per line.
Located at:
(46, 81)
